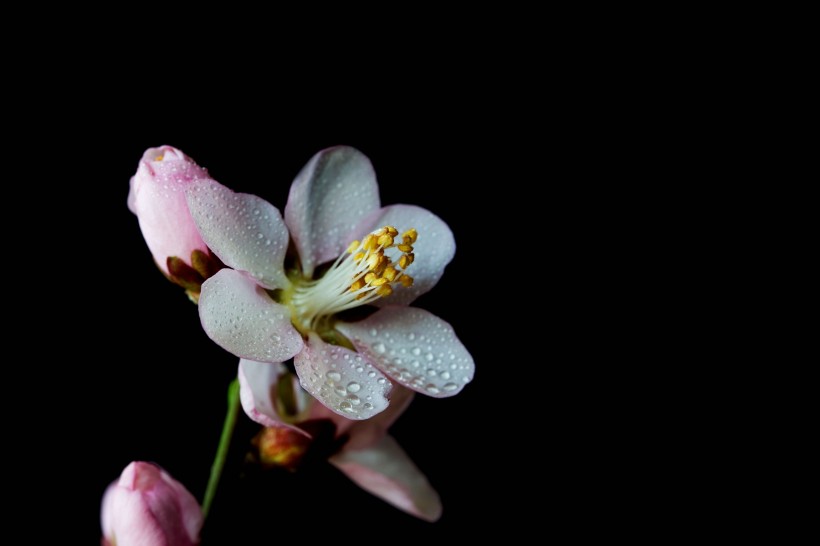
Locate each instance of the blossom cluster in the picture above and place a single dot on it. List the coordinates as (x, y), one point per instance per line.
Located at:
(316, 304)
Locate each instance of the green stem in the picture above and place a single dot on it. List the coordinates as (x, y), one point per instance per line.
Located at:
(224, 444)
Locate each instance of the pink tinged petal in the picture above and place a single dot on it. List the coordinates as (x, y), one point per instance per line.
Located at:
(369, 432)
(386, 471)
(157, 197)
(415, 348)
(332, 193)
(258, 388)
(341, 379)
(245, 231)
(433, 250)
(241, 318)
(147, 507)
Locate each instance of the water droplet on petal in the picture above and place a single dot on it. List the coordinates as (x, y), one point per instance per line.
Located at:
(379, 348)
(450, 386)
(354, 387)
(432, 389)
(334, 376)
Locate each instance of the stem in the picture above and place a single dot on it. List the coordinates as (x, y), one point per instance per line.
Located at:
(224, 444)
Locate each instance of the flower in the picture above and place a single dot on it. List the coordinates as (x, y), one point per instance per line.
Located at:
(157, 197)
(369, 457)
(350, 252)
(147, 507)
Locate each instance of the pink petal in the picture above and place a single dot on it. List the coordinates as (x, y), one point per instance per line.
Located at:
(386, 471)
(258, 384)
(157, 197)
(433, 250)
(332, 193)
(341, 379)
(241, 318)
(147, 507)
(413, 347)
(245, 231)
(370, 431)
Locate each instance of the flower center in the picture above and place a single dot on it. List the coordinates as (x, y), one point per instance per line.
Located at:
(367, 271)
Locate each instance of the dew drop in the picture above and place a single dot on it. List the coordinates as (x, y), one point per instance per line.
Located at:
(416, 351)
(431, 372)
(411, 336)
(334, 376)
(367, 406)
(432, 389)
(371, 374)
(353, 387)
(355, 400)
(445, 375)
(379, 348)
(346, 406)
(380, 381)
(450, 386)
(374, 332)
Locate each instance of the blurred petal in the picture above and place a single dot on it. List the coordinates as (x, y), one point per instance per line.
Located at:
(432, 251)
(370, 431)
(413, 347)
(341, 379)
(386, 471)
(147, 507)
(241, 318)
(258, 388)
(332, 193)
(245, 231)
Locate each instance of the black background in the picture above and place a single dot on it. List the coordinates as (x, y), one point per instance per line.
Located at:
(131, 375)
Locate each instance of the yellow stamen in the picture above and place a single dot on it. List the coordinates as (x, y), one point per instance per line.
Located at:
(352, 248)
(384, 290)
(405, 248)
(390, 273)
(406, 281)
(385, 240)
(410, 236)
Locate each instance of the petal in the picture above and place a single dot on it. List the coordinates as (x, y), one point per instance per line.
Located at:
(367, 433)
(157, 196)
(147, 507)
(245, 231)
(331, 194)
(433, 250)
(386, 471)
(413, 347)
(341, 379)
(241, 318)
(258, 384)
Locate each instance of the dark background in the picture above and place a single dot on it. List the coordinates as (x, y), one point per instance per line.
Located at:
(133, 377)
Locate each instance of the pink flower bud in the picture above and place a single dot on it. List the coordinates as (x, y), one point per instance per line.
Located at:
(157, 197)
(147, 507)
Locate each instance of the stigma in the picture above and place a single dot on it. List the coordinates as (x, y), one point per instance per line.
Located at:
(368, 270)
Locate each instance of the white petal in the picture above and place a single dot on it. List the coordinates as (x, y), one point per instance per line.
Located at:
(433, 250)
(386, 471)
(341, 379)
(245, 231)
(413, 347)
(258, 385)
(332, 193)
(241, 318)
